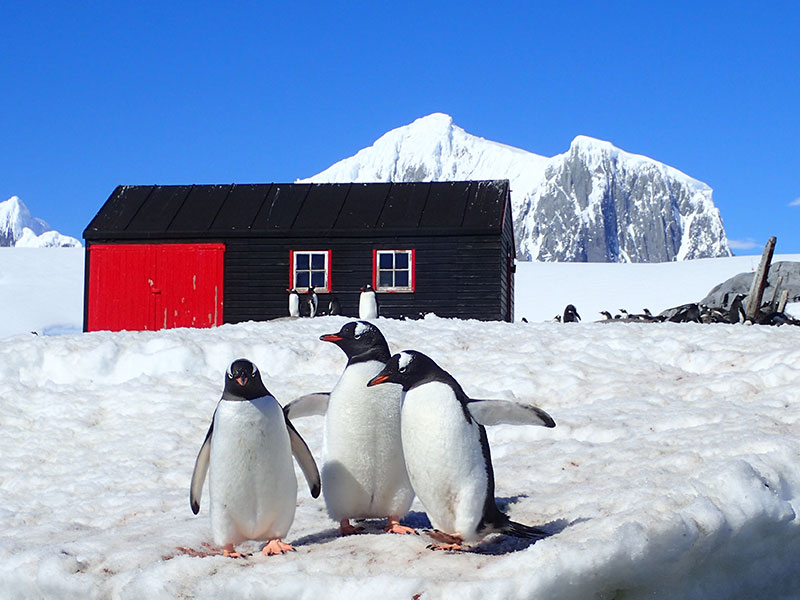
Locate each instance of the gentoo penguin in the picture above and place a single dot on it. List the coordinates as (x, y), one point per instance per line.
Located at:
(334, 308)
(311, 302)
(571, 314)
(248, 449)
(447, 452)
(606, 314)
(368, 303)
(736, 312)
(363, 471)
(294, 303)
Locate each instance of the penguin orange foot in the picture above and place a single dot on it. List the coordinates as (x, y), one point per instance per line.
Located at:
(276, 546)
(345, 528)
(393, 526)
(229, 552)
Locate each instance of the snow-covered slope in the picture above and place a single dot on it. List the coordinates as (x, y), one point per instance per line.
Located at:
(594, 203)
(19, 228)
(672, 471)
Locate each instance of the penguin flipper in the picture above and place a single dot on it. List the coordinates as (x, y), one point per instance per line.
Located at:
(200, 470)
(506, 412)
(304, 458)
(307, 406)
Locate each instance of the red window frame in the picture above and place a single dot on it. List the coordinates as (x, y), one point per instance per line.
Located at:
(412, 278)
(328, 270)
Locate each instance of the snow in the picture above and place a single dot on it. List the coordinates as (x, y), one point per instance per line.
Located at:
(19, 228)
(672, 471)
(41, 289)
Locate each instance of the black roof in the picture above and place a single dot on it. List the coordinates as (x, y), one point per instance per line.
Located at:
(300, 209)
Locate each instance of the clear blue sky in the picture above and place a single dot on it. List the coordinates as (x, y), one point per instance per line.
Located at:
(93, 95)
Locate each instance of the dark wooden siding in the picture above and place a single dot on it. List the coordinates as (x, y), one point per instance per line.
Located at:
(456, 276)
(461, 233)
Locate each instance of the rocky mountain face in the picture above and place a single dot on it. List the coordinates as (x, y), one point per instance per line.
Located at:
(19, 229)
(594, 203)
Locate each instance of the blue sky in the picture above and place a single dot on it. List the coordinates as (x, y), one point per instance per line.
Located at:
(93, 95)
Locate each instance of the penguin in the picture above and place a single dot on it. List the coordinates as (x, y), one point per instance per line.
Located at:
(312, 302)
(363, 471)
(447, 452)
(368, 303)
(248, 450)
(571, 314)
(294, 303)
(334, 308)
(606, 315)
(736, 312)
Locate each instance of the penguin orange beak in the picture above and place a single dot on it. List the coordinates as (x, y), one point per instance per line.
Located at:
(331, 337)
(242, 380)
(378, 380)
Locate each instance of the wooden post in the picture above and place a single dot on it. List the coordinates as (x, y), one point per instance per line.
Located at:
(782, 302)
(774, 301)
(759, 281)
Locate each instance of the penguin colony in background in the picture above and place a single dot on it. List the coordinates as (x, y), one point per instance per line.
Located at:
(309, 306)
(394, 426)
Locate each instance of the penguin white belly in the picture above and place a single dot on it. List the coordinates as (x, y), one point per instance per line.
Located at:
(252, 485)
(294, 305)
(367, 306)
(363, 471)
(444, 459)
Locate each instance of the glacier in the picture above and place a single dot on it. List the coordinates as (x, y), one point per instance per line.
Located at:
(594, 203)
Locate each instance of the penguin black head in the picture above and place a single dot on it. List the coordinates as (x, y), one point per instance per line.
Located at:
(571, 314)
(243, 381)
(410, 368)
(360, 341)
(367, 288)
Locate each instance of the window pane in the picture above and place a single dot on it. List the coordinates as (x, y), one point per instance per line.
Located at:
(317, 261)
(301, 279)
(385, 260)
(401, 278)
(401, 260)
(301, 261)
(385, 278)
(318, 278)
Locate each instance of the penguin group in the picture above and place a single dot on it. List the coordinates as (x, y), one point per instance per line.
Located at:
(694, 312)
(395, 427)
(309, 304)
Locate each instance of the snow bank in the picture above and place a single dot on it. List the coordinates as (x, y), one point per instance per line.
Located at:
(672, 473)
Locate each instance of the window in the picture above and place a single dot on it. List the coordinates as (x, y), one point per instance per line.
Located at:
(310, 268)
(393, 270)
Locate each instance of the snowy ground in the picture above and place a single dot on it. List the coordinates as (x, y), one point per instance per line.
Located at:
(673, 471)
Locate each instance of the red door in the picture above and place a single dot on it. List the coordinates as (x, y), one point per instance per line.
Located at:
(154, 286)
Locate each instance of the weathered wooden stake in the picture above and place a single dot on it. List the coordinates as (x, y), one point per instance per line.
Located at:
(759, 281)
(782, 302)
(774, 301)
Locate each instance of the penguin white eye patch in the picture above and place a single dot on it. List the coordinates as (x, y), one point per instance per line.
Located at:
(405, 359)
(252, 374)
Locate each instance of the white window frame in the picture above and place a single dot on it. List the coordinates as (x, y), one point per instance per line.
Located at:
(376, 270)
(293, 274)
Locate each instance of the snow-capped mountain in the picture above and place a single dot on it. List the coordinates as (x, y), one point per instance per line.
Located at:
(593, 203)
(19, 229)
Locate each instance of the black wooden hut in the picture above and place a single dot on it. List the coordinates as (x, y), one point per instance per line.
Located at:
(203, 255)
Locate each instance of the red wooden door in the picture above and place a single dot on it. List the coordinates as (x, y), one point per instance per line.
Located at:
(154, 286)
